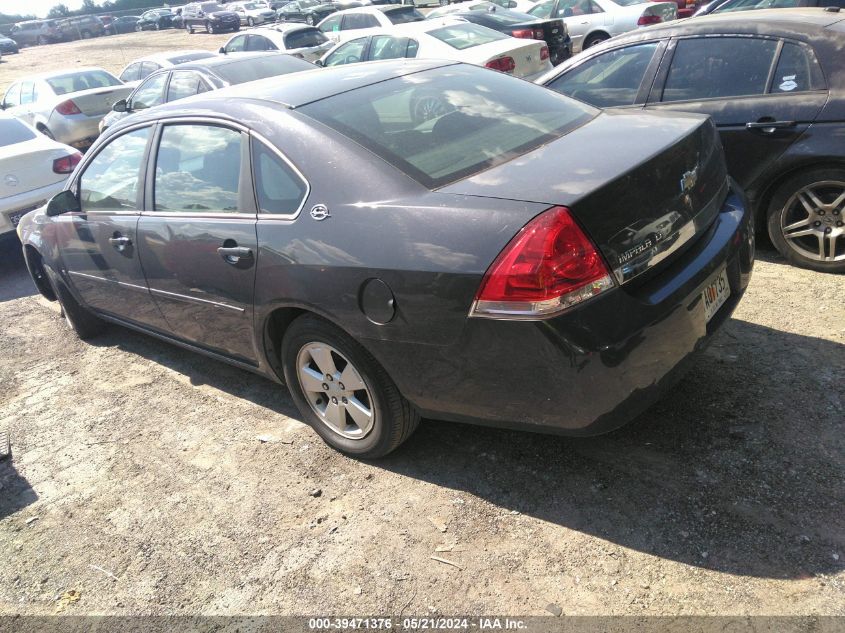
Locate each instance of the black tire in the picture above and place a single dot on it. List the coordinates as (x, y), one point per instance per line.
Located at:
(85, 35)
(157, 26)
(786, 210)
(309, 19)
(138, 28)
(209, 28)
(42, 40)
(46, 132)
(250, 22)
(85, 324)
(595, 38)
(190, 29)
(394, 418)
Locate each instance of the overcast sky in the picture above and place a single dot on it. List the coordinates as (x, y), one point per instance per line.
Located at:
(38, 7)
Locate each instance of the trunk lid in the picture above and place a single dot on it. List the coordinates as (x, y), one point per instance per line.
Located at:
(640, 200)
(525, 54)
(97, 101)
(27, 166)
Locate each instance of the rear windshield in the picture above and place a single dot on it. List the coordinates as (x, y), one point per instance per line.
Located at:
(305, 38)
(183, 58)
(74, 82)
(403, 15)
(501, 18)
(13, 131)
(241, 71)
(442, 125)
(463, 36)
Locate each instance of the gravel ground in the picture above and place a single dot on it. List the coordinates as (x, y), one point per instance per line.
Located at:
(151, 480)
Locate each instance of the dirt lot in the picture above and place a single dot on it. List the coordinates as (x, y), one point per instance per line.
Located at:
(140, 482)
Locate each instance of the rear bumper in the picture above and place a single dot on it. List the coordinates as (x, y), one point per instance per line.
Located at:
(26, 201)
(593, 369)
(77, 130)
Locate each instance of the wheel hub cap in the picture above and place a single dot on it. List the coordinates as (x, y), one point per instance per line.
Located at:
(813, 221)
(335, 390)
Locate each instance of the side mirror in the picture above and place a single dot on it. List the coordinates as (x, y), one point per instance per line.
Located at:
(63, 202)
(120, 106)
(222, 50)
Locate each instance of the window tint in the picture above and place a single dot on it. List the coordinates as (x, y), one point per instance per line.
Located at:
(611, 79)
(150, 93)
(131, 72)
(405, 14)
(359, 21)
(183, 83)
(237, 44)
(110, 181)
(797, 70)
(75, 82)
(331, 23)
(712, 68)
(147, 69)
(388, 47)
(463, 36)
(13, 96)
(197, 169)
(13, 131)
(279, 188)
(349, 53)
(305, 38)
(440, 127)
(259, 43)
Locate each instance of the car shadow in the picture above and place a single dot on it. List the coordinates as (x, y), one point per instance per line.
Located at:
(15, 282)
(738, 469)
(15, 491)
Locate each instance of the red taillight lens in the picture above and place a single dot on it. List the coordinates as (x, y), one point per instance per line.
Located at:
(503, 64)
(65, 164)
(544, 53)
(68, 107)
(645, 20)
(523, 33)
(549, 266)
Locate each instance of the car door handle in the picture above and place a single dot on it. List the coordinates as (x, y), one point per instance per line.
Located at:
(769, 127)
(120, 243)
(234, 254)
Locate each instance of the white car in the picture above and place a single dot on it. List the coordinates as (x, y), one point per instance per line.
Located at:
(349, 23)
(299, 40)
(447, 39)
(252, 13)
(33, 168)
(143, 67)
(593, 21)
(66, 105)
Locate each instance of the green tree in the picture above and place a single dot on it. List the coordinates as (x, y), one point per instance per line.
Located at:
(59, 11)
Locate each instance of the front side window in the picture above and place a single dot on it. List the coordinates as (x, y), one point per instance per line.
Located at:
(110, 180)
(441, 125)
(13, 96)
(718, 68)
(183, 83)
(464, 36)
(330, 24)
(279, 188)
(27, 90)
(259, 43)
(350, 53)
(608, 80)
(150, 93)
(131, 72)
(147, 69)
(237, 44)
(542, 9)
(198, 169)
(388, 47)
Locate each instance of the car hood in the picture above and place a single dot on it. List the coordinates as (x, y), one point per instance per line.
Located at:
(222, 14)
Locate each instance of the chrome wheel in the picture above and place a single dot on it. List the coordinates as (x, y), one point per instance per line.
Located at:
(335, 390)
(813, 220)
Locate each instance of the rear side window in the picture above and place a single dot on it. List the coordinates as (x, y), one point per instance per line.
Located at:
(388, 47)
(183, 84)
(13, 131)
(150, 93)
(611, 79)
(131, 72)
(797, 70)
(404, 15)
(259, 43)
(442, 125)
(349, 53)
(278, 187)
(198, 168)
(463, 36)
(716, 68)
(13, 96)
(305, 38)
(110, 181)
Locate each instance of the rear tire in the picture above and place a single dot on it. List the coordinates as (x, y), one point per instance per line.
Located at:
(391, 419)
(42, 40)
(595, 38)
(190, 29)
(802, 220)
(250, 22)
(209, 28)
(84, 323)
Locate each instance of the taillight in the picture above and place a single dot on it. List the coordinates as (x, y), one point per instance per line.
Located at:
(67, 108)
(65, 164)
(523, 33)
(503, 64)
(544, 53)
(538, 34)
(548, 267)
(645, 20)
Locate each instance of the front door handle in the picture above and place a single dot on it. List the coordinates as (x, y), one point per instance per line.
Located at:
(120, 243)
(234, 254)
(769, 126)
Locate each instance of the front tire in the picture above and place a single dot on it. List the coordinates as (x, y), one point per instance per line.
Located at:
(250, 22)
(365, 416)
(806, 220)
(595, 38)
(84, 323)
(209, 28)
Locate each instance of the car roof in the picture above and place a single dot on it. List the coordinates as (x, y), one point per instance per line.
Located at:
(165, 56)
(223, 60)
(299, 89)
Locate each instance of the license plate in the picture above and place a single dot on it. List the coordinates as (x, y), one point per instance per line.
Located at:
(715, 294)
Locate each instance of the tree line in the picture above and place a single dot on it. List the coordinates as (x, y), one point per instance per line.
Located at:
(88, 7)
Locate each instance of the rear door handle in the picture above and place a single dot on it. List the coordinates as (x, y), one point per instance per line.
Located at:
(120, 243)
(234, 254)
(769, 127)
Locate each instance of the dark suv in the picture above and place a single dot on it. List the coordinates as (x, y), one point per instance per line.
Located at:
(210, 16)
(81, 27)
(35, 32)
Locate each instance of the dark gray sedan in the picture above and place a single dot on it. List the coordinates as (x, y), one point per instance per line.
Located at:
(504, 261)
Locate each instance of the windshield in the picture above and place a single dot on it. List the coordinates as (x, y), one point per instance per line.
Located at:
(211, 7)
(463, 36)
(74, 82)
(13, 131)
(241, 71)
(250, 6)
(473, 119)
(403, 15)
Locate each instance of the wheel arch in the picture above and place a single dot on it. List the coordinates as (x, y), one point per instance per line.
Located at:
(35, 266)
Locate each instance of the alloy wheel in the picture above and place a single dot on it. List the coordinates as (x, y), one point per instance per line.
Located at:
(813, 220)
(335, 390)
